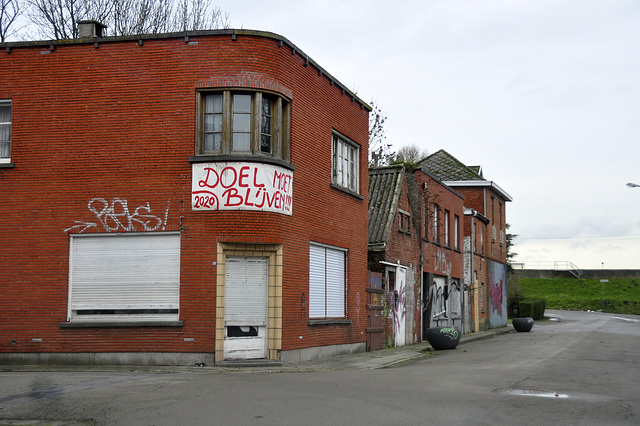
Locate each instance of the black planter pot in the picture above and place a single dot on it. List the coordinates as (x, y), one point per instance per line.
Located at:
(443, 337)
(523, 324)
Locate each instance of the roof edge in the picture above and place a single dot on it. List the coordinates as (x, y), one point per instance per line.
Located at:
(480, 183)
(140, 38)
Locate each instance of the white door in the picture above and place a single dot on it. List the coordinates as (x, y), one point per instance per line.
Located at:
(245, 308)
(399, 319)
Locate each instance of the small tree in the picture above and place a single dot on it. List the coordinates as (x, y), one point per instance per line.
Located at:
(9, 11)
(380, 152)
(411, 154)
(510, 253)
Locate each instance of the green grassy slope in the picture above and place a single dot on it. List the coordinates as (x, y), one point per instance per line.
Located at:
(621, 296)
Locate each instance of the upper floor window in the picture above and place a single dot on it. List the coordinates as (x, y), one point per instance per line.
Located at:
(435, 224)
(446, 229)
(403, 221)
(5, 131)
(456, 232)
(243, 123)
(346, 160)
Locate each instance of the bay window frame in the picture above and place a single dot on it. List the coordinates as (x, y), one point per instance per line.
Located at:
(279, 124)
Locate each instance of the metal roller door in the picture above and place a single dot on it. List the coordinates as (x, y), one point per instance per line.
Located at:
(124, 275)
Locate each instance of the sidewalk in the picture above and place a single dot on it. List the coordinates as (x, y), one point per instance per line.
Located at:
(383, 358)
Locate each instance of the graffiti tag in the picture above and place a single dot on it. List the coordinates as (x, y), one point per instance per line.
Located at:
(442, 262)
(115, 216)
(450, 332)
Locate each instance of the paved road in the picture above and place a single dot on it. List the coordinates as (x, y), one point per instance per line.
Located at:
(579, 368)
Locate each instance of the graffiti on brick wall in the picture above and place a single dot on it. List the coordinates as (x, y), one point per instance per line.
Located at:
(442, 262)
(241, 186)
(116, 216)
(497, 294)
(443, 303)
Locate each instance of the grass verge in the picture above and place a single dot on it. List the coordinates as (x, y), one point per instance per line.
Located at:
(621, 296)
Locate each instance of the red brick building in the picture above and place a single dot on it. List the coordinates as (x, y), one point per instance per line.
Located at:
(484, 237)
(415, 242)
(175, 199)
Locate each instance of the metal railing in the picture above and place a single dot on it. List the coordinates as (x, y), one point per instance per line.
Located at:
(567, 266)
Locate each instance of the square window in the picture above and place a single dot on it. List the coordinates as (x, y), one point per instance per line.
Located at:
(124, 277)
(326, 282)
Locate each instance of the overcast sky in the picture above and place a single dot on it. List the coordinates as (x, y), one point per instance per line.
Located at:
(544, 95)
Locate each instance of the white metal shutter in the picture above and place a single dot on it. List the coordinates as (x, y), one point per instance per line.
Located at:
(335, 283)
(326, 282)
(317, 290)
(119, 272)
(246, 290)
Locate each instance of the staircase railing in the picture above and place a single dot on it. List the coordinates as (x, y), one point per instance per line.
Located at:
(570, 267)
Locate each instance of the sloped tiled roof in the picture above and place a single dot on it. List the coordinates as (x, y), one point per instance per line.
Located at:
(385, 185)
(446, 167)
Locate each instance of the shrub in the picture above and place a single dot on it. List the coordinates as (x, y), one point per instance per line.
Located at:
(533, 308)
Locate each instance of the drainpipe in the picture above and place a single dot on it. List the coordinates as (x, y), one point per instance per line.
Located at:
(472, 280)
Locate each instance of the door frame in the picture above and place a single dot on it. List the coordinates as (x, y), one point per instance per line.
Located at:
(273, 253)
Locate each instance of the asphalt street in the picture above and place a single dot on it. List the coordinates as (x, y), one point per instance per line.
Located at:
(574, 368)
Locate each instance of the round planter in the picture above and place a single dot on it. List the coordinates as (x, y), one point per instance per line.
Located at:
(523, 324)
(443, 337)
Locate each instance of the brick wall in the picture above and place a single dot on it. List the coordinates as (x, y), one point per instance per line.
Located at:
(113, 128)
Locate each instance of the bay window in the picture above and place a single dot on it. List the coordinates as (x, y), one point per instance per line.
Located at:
(243, 123)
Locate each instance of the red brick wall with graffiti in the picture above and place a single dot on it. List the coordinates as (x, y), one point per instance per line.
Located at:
(101, 140)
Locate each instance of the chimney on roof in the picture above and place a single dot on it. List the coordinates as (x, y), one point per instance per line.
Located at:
(90, 28)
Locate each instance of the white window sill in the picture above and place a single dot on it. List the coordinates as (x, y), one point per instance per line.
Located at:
(120, 323)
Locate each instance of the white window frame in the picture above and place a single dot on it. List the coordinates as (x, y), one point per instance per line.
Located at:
(103, 288)
(446, 228)
(456, 232)
(327, 281)
(436, 237)
(345, 163)
(7, 159)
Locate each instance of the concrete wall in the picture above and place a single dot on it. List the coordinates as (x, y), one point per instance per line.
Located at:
(588, 273)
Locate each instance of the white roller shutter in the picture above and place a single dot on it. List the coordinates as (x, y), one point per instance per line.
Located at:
(112, 274)
(335, 283)
(246, 291)
(326, 282)
(317, 289)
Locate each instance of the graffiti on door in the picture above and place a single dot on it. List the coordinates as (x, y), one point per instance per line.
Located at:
(443, 303)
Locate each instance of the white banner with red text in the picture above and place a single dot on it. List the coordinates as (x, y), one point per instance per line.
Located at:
(241, 186)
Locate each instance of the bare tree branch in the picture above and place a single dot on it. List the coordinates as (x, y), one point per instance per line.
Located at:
(380, 152)
(58, 18)
(10, 10)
